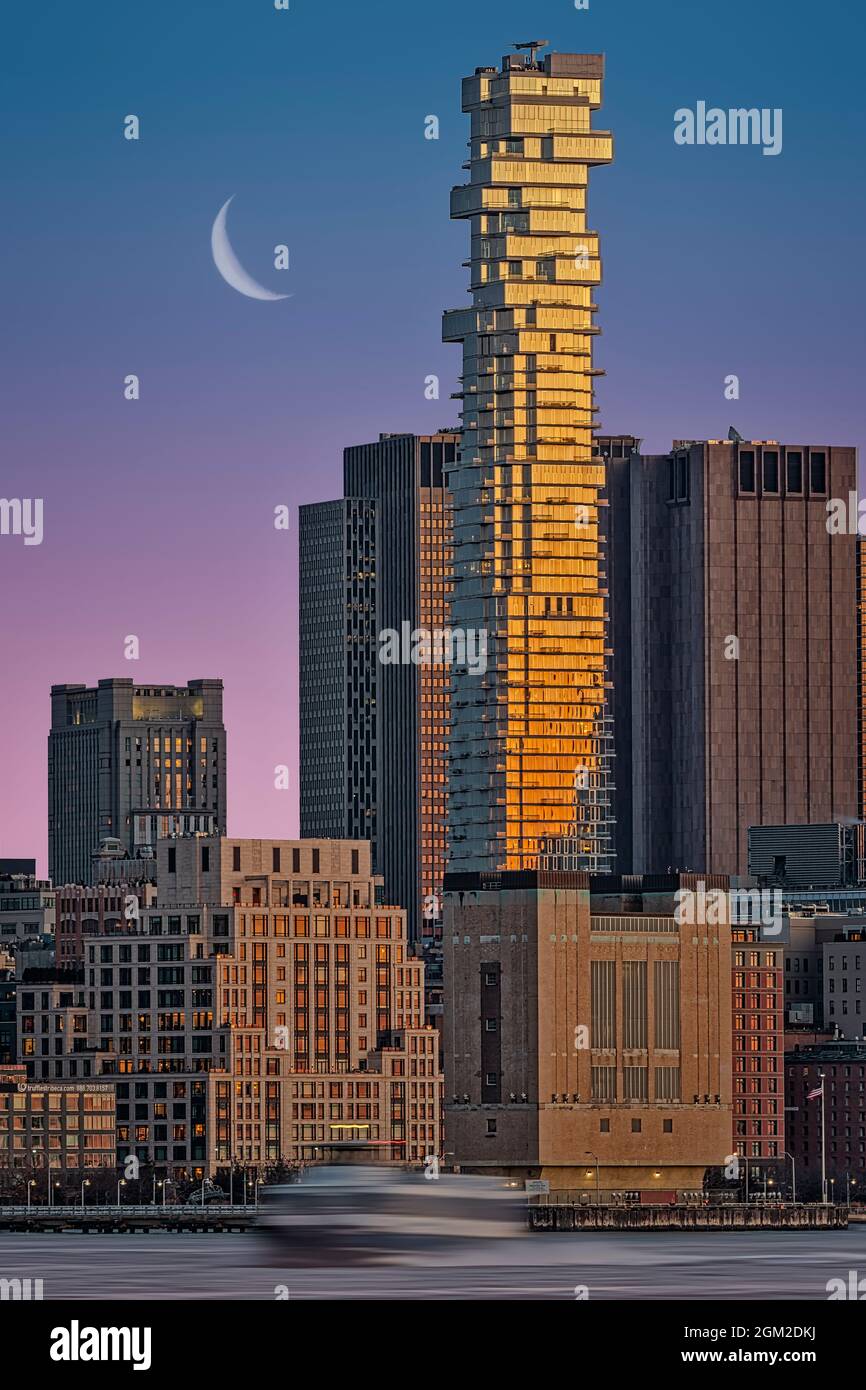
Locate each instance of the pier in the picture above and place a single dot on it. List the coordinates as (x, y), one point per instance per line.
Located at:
(128, 1220)
(775, 1216)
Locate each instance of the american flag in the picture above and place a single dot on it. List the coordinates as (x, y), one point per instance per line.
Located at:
(818, 1091)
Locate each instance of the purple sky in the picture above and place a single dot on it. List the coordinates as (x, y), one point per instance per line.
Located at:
(158, 513)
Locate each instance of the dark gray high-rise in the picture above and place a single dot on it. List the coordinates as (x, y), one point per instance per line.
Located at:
(338, 685)
(132, 763)
(374, 736)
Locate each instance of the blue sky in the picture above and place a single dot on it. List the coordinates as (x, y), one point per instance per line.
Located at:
(716, 261)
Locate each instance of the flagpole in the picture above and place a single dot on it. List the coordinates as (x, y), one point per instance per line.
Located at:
(823, 1146)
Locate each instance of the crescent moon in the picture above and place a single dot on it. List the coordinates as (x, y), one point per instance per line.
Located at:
(228, 264)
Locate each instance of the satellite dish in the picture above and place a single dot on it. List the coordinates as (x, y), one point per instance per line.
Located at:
(735, 435)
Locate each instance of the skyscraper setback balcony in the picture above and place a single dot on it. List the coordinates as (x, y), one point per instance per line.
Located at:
(529, 738)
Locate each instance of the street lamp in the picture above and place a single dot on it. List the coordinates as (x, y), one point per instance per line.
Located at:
(85, 1183)
(121, 1183)
(793, 1176)
(590, 1154)
(32, 1183)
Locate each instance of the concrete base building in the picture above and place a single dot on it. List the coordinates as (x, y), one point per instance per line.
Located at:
(586, 1030)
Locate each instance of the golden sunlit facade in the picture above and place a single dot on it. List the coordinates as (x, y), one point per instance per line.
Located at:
(530, 744)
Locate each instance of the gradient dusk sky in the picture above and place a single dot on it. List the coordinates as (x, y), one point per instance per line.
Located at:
(159, 513)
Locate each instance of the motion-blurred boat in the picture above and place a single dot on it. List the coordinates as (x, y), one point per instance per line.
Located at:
(341, 1211)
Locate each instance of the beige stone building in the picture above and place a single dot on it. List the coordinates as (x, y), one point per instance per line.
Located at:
(587, 1030)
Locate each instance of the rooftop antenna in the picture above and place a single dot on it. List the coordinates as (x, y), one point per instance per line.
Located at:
(735, 436)
(533, 46)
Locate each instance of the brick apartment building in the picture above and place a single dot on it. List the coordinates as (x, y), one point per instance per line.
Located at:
(266, 1007)
(758, 1040)
(841, 1068)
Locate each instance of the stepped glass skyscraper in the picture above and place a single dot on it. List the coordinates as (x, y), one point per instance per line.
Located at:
(530, 773)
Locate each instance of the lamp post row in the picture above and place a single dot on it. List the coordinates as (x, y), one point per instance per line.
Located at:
(249, 1185)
